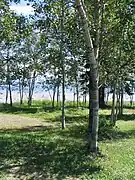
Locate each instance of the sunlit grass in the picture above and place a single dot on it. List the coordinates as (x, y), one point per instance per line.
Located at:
(52, 153)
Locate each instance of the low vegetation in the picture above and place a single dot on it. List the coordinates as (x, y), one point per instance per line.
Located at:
(46, 152)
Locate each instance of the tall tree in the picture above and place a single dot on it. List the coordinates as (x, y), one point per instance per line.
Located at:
(92, 55)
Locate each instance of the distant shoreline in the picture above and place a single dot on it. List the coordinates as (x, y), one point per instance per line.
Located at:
(45, 96)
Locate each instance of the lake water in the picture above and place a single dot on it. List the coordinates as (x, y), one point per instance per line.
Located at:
(40, 94)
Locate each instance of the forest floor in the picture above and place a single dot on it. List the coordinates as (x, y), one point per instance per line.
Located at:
(33, 146)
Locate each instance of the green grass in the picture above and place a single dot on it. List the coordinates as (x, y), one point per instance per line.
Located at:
(52, 153)
(43, 110)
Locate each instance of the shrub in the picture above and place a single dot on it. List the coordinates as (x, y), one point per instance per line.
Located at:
(106, 129)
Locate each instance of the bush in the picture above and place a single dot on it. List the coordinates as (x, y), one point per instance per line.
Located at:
(106, 129)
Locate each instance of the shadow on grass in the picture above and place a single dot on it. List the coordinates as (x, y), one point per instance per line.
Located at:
(44, 155)
(127, 117)
(124, 117)
(43, 152)
(15, 109)
(27, 129)
(105, 133)
(110, 107)
(129, 107)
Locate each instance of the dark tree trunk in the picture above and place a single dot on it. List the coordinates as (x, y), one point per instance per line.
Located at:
(58, 94)
(107, 98)
(77, 95)
(121, 101)
(6, 96)
(93, 114)
(131, 100)
(113, 106)
(31, 88)
(117, 108)
(53, 100)
(102, 97)
(84, 100)
(30, 100)
(74, 98)
(10, 95)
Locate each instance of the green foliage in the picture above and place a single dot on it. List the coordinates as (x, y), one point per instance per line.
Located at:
(106, 129)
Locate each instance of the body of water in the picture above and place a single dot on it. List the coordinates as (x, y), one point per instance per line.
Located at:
(40, 94)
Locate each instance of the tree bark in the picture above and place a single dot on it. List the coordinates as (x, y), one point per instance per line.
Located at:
(74, 97)
(121, 101)
(63, 63)
(93, 81)
(21, 90)
(10, 94)
(54, 91)
(49, 93)
(6, 96)
(31, 83)
(113, 106)
(84, 100)
(58, 94)
(107, 97)
(117, 108)
(77, 93)
(102, 97)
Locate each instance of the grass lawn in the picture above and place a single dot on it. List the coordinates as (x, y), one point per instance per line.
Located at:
(40, 150)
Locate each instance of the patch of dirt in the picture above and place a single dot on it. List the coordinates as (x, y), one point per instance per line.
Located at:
(17, 122)
(129, 111)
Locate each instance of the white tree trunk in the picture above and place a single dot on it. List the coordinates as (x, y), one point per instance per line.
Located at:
(121, 101)
(93, 81)
(63, 64)
(113, 105)
(31, 83)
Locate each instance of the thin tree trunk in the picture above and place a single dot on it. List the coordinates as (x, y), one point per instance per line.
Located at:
(131, 97)
(58, 94)
(101, 97)
(107, 98)
(74, 97)
(131, 100)
(21, 100)
(85, 99)
(8, 76)
(93, 81)
(31, 88)
(54, 91)
(77, 93)
(29, 96)
(49, 93)
(119, 105)
(6, 96)
(63, 64)
(121, 101)
(113, 106)
(21, 90)
(10, 94)
(117, 108)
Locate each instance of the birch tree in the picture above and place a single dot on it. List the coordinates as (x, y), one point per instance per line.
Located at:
(92, 55)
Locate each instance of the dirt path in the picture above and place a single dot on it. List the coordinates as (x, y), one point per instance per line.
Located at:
(16, 122)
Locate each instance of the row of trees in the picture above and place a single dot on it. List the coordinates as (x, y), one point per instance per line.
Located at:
(87, 45)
